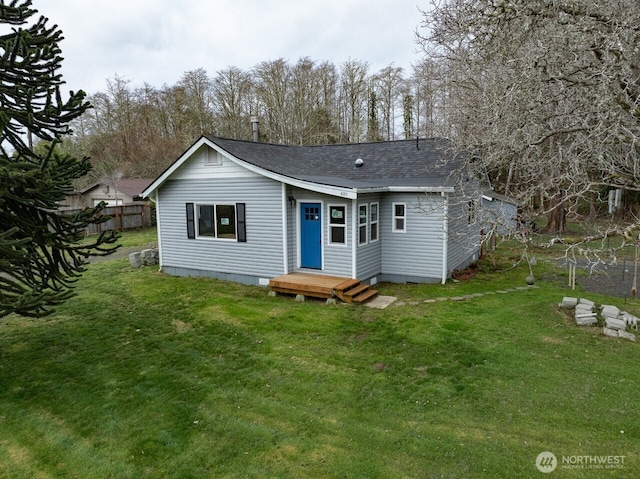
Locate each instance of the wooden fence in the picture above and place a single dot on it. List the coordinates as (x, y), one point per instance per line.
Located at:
(125, 217)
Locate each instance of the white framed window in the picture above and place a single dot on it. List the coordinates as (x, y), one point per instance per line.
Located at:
(363, 223)
(338, 224)
(399, 217)
(217, 221)
(373, 222)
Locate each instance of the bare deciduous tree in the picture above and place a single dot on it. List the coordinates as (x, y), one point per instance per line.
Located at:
(353, 100)
(546, 93)
(233, 94)
(199, 99)
(389, 82)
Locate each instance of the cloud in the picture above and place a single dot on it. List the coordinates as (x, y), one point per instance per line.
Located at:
(157, 41)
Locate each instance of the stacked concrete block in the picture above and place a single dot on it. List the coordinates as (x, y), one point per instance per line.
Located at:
(611, 315)
(610, 332)
(135, 260)
(609, 311)
(149, 256)
(616, 322)
(568, 302)
(587, 302)
(145, 257)
(584, 313)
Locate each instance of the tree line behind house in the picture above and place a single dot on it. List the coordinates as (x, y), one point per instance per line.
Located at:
(140, 130)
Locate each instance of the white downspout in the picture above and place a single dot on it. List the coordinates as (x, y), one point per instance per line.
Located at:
(445, 243)
(354, 240)
(156, 200)
(285, 228)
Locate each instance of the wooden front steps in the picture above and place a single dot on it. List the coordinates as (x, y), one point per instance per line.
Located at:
(323, 286)
(353, 291)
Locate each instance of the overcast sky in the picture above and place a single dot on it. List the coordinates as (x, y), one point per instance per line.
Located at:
(156, 41)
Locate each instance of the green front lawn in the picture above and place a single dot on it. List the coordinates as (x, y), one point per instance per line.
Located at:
(146, 375)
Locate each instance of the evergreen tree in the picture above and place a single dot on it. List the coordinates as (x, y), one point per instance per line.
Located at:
(40, 252)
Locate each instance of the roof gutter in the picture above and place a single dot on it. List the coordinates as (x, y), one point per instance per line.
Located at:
(406, 189)
(422, 189)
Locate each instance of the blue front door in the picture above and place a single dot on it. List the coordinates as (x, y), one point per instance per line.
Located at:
(310, 236)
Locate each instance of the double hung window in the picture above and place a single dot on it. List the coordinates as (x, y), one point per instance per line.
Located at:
(373, 222)
(337, 224)
(368, 223)
(363, 222)
(399, 217)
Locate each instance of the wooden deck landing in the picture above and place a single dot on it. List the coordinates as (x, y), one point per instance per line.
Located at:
(323, 286)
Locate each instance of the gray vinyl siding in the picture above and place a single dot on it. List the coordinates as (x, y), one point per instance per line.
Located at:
(260, 257)
(417, 254)
(336, 259)
(369, 255)
(499, 216)
(464, 237)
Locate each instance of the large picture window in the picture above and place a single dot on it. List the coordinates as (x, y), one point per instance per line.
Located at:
(399, 217)
(221, 221)
(217, 221)
(337, 224)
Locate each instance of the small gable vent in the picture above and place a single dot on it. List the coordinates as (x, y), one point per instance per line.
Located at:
(212, 158)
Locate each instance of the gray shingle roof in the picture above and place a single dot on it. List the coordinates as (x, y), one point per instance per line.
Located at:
(409, 163)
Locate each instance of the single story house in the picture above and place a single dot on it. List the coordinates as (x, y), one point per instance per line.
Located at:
(248, 211)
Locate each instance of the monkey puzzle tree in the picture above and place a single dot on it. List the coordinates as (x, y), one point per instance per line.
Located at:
(40, 253)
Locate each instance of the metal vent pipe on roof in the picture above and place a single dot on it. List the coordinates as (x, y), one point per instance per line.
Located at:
(254, 127)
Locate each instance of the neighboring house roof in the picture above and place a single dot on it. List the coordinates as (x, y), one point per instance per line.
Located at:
(129, 186)
(133, 186)
(420, 163)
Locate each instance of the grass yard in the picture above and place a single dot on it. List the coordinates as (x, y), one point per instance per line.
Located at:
(145, 375)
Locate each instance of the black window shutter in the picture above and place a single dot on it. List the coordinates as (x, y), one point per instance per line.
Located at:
(191, 224)
(242, 224)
